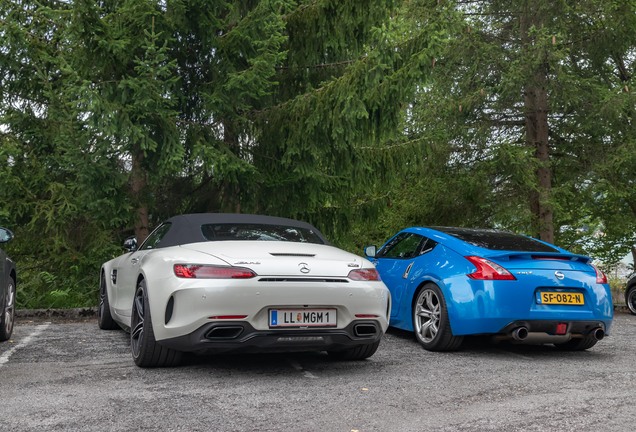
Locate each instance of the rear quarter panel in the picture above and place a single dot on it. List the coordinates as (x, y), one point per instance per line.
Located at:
(445, 268)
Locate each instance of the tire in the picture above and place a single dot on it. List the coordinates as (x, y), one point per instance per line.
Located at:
(104, 318)
(146, 352)
(360, 352)
(578, 344)
(630, 299)
(7, 313)
(430, 321)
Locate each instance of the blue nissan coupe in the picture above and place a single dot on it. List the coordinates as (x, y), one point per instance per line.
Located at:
(447, 283)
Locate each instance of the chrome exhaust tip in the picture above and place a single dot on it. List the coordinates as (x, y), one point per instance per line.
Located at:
(598, 333)
(520, 333)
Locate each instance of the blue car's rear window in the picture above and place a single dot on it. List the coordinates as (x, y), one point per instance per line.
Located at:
(497, 240)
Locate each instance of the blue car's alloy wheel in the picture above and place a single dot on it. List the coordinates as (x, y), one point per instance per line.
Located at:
(430, 320)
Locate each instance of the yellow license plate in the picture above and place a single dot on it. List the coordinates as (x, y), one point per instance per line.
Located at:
(562, 298)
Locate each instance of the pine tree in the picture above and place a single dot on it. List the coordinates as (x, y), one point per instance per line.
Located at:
(118, 113)
(531, 100)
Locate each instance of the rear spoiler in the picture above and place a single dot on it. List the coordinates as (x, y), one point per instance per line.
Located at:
(560, 256)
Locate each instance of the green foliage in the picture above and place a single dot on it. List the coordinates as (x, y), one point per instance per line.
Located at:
(359, 117)
(466, 127)
(120, 113)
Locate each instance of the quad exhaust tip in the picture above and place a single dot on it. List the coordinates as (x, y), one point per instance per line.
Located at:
(362, 330)
(224, 332)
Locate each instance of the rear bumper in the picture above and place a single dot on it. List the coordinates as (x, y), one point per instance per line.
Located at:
(549, 327)
(543, 325)
(240, 336)
(480, 307)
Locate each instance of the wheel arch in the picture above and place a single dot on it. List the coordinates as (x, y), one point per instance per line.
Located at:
(631, 284)
(9, 269)
(103, 277)
(407, 307)
(155, 304)
(429, 280)
(450, 307)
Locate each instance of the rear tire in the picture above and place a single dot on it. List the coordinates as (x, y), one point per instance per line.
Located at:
(7, 312)
(104, 318)
(360, 352)
(578, 344)
(146, 352)
(630, 299)
(430, 321)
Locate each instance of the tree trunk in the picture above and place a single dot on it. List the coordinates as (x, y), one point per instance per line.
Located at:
(230, 189)
(138, 185)
(536, 128)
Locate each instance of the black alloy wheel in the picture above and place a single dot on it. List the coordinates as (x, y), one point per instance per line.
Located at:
(104, 318)
(146, 352)
(7, 313)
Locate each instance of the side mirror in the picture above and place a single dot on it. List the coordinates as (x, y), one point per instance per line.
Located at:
(5, 235)
(370, 251)
(130, 244)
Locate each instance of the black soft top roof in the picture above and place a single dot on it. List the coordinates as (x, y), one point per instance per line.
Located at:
(186, 228)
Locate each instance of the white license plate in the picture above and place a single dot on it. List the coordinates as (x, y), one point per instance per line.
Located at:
(302, 318)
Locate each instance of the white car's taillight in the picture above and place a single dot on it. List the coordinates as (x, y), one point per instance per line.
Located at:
(367, 274)
(198, 271)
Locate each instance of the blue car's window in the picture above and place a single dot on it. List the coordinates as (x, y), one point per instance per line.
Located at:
(405, 245)
(498, 240)
(248, 231)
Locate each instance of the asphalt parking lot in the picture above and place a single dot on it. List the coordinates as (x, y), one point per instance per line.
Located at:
(59, 376)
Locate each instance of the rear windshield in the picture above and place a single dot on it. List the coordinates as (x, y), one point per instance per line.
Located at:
(225, 231)
(498, 240)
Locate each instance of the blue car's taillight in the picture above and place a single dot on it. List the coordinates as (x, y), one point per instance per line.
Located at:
(488, 270)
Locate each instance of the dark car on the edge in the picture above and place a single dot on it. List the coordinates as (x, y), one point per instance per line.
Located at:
(7, 288)
(630, 293)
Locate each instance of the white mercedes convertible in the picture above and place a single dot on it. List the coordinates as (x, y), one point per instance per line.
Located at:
(211, 283)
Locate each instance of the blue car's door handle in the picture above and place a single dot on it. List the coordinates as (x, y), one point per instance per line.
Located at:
(406, 272)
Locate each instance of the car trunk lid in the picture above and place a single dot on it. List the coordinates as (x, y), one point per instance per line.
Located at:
(283, 259)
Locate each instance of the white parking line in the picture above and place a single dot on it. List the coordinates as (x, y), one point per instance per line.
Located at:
(4, 358)
(299, 368)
